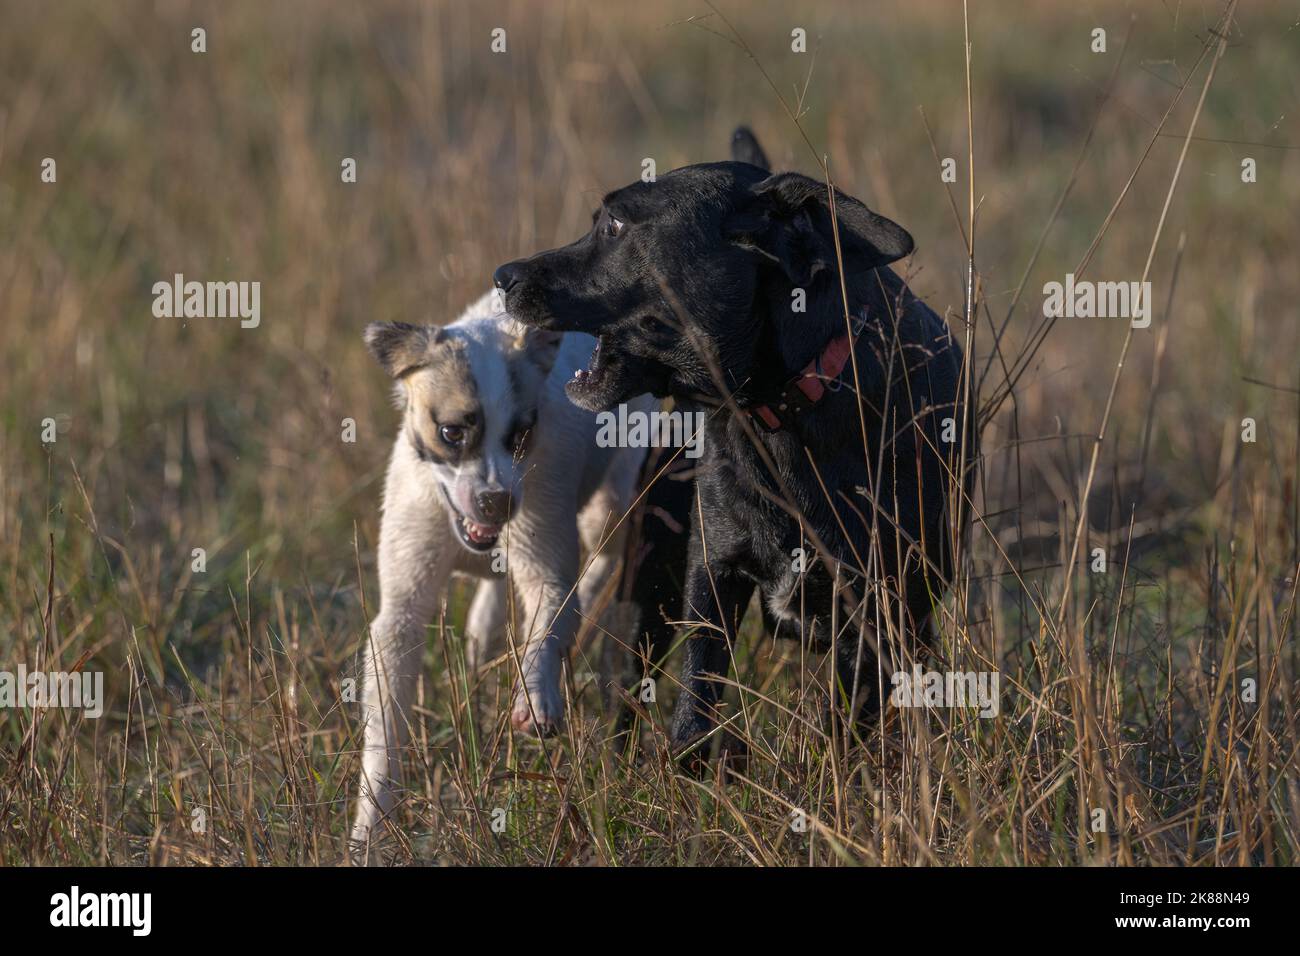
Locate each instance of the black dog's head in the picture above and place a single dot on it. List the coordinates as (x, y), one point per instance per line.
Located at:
(694, 263)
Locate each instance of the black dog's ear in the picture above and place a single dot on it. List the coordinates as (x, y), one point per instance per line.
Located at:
(789, 220)
(400, 347)
(745, 148)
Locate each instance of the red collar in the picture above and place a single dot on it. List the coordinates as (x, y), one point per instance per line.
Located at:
(809, 387)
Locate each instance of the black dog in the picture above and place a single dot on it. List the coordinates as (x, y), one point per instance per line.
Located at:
(720, 285)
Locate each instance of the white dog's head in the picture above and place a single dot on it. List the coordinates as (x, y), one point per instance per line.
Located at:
(471, 392)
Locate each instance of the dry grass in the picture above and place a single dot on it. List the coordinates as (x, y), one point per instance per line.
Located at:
(1121, 691)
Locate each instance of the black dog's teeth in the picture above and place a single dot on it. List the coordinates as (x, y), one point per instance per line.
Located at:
(580, 374)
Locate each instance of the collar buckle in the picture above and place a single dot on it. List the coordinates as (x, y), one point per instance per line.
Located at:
(794, 398)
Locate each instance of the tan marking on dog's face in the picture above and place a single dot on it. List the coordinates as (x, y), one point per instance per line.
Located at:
(442, 395)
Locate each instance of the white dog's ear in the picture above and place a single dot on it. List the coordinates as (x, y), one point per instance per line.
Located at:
(400, 347)
(540, 345)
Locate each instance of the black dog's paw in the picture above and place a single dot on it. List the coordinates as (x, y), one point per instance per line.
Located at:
(836, 719)
(689, 748)
(694, 757)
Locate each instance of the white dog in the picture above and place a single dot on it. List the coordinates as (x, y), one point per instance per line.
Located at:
(496, 474)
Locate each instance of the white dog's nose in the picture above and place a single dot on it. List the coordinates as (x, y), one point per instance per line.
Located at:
(494, 506)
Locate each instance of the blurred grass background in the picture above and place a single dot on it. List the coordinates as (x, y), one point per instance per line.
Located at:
(179, 434)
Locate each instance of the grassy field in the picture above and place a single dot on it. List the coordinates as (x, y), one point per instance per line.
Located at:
(227, 737)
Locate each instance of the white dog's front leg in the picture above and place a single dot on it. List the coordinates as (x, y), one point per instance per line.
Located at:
(551, 618)
(603, 533)
(603, 529)
(414, 564)
(485, 624)
(545, 621)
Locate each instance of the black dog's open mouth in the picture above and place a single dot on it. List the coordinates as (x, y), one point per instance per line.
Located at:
(473, 534)
(614, 374)
(587, 384)
(603, 381)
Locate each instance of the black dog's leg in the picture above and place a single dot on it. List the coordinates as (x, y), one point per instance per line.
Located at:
(654, 574)
(864, 669)
(656, 637)
(857, 683)
(717, 598)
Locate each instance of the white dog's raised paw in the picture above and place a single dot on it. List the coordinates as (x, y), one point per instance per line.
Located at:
(544, 718)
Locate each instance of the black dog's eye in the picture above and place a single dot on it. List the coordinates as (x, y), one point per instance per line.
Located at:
(613, 227)
(452, 434)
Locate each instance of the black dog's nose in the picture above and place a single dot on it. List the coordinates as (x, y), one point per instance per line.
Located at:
(495, 505)
(508, 275)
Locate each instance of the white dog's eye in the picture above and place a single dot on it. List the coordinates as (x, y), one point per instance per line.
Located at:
(613, 226)
(452, 434)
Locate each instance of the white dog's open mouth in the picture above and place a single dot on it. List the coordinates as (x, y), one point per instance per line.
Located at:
(473, 534)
